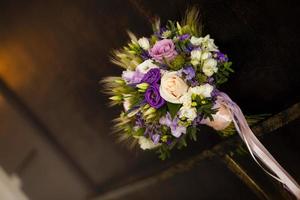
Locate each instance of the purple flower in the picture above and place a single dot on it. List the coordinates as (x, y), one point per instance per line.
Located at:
(132, 77)
(152, 76)
(139, 121)
(222, 57)
(176, 129)
(153, 97)
(189, 73)
(197, 121)
(163, 49)
(155, 138)
(145, 55)
(184, 37)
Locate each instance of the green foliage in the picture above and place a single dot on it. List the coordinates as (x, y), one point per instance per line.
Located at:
(164, 152)
(181, 142)
(191, 22)
(153, 40)
(201, 78)
(205, 107)
(172, 27)
(177, 63)
(173, 108)
(192, 132)
(223, 73)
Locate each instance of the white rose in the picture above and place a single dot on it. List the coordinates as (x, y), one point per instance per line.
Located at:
(144, 43)
(172, 87)
(202, 90)
(186, 99)
(146, 143)
(196, 54)
(209, 67)
(188, 112)
(145, 66)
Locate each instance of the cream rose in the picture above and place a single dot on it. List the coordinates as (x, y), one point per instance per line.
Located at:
(172, 87)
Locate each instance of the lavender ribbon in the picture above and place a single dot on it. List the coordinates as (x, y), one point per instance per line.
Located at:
(255, 147)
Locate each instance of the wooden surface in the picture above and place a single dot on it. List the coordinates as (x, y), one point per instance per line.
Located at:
(53, 53)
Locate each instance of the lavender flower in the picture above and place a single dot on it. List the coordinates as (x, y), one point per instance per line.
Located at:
(139, 121)
(184, 37)
(155, 138)
(176, 129)
(132, 77)
(153, 132)
(145, 55)
(221, 57)
(197, 121)
(153, 97)
(189, 73)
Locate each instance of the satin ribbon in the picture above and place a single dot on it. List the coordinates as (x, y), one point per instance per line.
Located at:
(229, 112)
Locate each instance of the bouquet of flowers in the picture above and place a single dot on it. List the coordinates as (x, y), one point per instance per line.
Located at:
(169, 87)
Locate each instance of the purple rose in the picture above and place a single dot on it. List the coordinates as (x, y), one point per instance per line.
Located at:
(152, 76)
(163, 49)
(153, 97)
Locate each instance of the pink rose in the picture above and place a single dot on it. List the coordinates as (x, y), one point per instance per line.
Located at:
(163, 49)
(172, 87)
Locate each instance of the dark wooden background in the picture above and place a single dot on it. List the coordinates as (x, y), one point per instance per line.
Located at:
(55, 126)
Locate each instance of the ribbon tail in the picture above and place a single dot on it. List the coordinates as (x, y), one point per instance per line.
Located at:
(259, 153)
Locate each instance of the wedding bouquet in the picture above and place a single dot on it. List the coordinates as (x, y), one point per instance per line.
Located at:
(169, 87)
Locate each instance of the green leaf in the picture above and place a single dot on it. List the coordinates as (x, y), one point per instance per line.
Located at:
(192, 132)
(173, 108)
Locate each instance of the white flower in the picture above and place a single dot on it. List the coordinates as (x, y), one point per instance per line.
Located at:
(144, 43)
(188, 112)
(146, 143)
(195, 62)
(209, 44)
(202, 90)
(196, 41)
(196, 54)
(205, 55)
(206, 43)
(209, 67)
(172, 87)
(145, 66)
(186, 99)
(126, 104)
